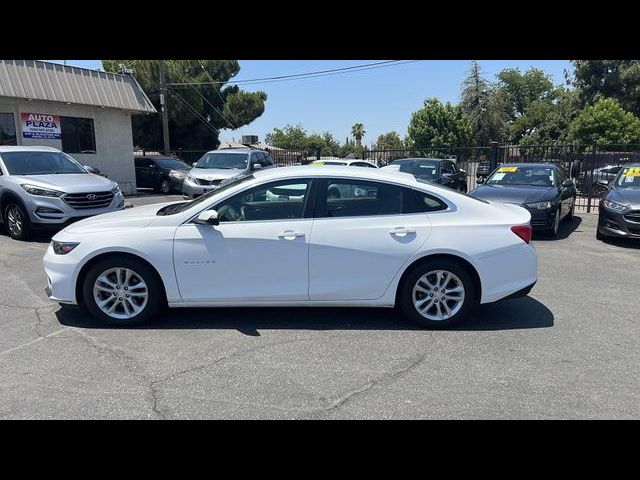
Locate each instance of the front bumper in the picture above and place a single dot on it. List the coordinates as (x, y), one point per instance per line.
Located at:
(61, 272)
(614, 224)
(64, 214)
(192, 190)
(542, 219)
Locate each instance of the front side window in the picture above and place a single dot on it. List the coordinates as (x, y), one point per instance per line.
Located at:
(40, 163)
(7, 129)
(223, 160)
(78, 135)
(422, 169)
(281, 200)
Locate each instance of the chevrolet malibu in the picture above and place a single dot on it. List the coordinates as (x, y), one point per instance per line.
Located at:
(277, 238)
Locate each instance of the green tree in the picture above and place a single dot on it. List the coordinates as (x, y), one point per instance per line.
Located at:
(291, 137)
(603, 123)
(484, 108)
(357, 131)
(438, 124)
(197, 113)
(547, 121)
(518, 90)
(617, 79)
(389, 141)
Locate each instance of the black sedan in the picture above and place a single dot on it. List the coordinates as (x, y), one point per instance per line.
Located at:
(619, 214)
(442, 171)
(163, 174)
(542, 188)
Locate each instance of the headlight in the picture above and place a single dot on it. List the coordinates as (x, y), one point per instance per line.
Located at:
(614, 206)
(42, 192)
(62, 248)
(116, 190)
(538, 205)
(176, 174)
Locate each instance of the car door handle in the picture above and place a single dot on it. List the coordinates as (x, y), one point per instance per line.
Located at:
(401, 231)
(290, 234)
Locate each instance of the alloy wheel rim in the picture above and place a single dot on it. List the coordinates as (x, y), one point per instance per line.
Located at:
(164, 186)
(15, 221)
(120, 293)
(438, 295)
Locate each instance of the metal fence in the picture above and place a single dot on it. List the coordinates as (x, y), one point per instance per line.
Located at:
(589, 166)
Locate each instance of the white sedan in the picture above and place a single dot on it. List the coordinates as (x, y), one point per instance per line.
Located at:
(299, 236)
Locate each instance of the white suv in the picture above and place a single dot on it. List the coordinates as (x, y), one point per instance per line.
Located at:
(41, 186)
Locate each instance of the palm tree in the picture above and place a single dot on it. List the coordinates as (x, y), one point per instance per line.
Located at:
(357, 131)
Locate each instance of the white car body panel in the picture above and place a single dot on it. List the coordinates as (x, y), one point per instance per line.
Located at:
(348, 261)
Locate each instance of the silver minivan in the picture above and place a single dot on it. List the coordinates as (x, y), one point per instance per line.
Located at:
(41, 186)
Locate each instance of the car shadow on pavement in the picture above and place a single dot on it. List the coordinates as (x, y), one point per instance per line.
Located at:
(522, 313)
(567, 227)
(632, 243)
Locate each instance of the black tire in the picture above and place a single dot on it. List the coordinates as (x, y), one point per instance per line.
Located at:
(17, 222)
(570, 214)
(165, 186)
(553, 231)
(155, 298)
(406, 288)
(599, 236)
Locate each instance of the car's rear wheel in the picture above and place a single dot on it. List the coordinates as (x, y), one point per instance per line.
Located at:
(437, 293)
(122, 292)
(17, 222)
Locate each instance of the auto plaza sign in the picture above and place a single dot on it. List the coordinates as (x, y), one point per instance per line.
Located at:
(40, 126)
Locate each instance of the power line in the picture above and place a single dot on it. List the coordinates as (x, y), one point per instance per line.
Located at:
(321, 73)
(195, 112)
(235, 120)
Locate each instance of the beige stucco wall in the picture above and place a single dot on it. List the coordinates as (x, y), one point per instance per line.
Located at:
(114, 138)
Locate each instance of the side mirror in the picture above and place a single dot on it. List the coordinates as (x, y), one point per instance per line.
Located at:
(480, 180)
(567, 183)
(194, 164)
(208, 217)
(256, 166)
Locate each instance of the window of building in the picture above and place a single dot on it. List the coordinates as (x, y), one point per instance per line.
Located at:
(7, 129)
(77, 135)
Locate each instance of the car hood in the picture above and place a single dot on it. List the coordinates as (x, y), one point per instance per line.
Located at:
(515, 194)
(68, 182)
(214, 173)
(137, 217)
(626, 196)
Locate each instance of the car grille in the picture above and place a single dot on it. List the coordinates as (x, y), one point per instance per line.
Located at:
(632, 216)
(85, 201)
(201, 181)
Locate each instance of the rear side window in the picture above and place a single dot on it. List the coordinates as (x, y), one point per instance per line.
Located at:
(417, 202)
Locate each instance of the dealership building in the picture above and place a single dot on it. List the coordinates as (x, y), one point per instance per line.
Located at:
(85, 113)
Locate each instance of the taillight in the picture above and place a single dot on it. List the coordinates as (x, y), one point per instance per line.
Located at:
(523, 231)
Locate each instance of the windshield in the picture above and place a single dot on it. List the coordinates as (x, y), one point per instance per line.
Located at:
(629, 178)
(172, 163)
(531, 175)
(424, 169)
(182, 206)
(40, 163)
(223, 160)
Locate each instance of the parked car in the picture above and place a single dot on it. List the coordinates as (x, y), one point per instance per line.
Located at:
(275, 238)
(43, 187)
(217, 166)
(619, 213)
(344, 162)
(162, 173)
(442, 171)
(543, 189)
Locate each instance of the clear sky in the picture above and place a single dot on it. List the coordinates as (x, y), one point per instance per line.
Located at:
(382, 99)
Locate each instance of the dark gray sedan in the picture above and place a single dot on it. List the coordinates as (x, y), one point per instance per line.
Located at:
(619, 214)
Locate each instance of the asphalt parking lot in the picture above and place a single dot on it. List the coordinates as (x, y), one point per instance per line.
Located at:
(569, 350)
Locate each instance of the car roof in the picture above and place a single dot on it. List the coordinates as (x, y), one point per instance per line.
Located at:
(530, 164)
(235, 150)
(24, 148)
(346, 171)
(422, 158)
(156, 157)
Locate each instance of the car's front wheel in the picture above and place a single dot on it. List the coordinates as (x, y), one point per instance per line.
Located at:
(437, 293)
(123, 292)
(17, 222)
(165, 186)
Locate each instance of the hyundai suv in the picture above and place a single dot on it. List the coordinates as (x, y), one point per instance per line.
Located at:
(41, 186)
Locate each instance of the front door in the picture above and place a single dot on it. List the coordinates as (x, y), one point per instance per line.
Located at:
(258, 252)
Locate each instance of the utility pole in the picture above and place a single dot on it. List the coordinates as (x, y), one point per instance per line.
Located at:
(163, 110)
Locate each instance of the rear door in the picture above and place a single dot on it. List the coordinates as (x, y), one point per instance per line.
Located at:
(363, 233)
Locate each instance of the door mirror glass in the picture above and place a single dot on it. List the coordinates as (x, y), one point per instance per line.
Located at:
(479, 180)
(567, 183)
(208, 217)
(256, 166)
